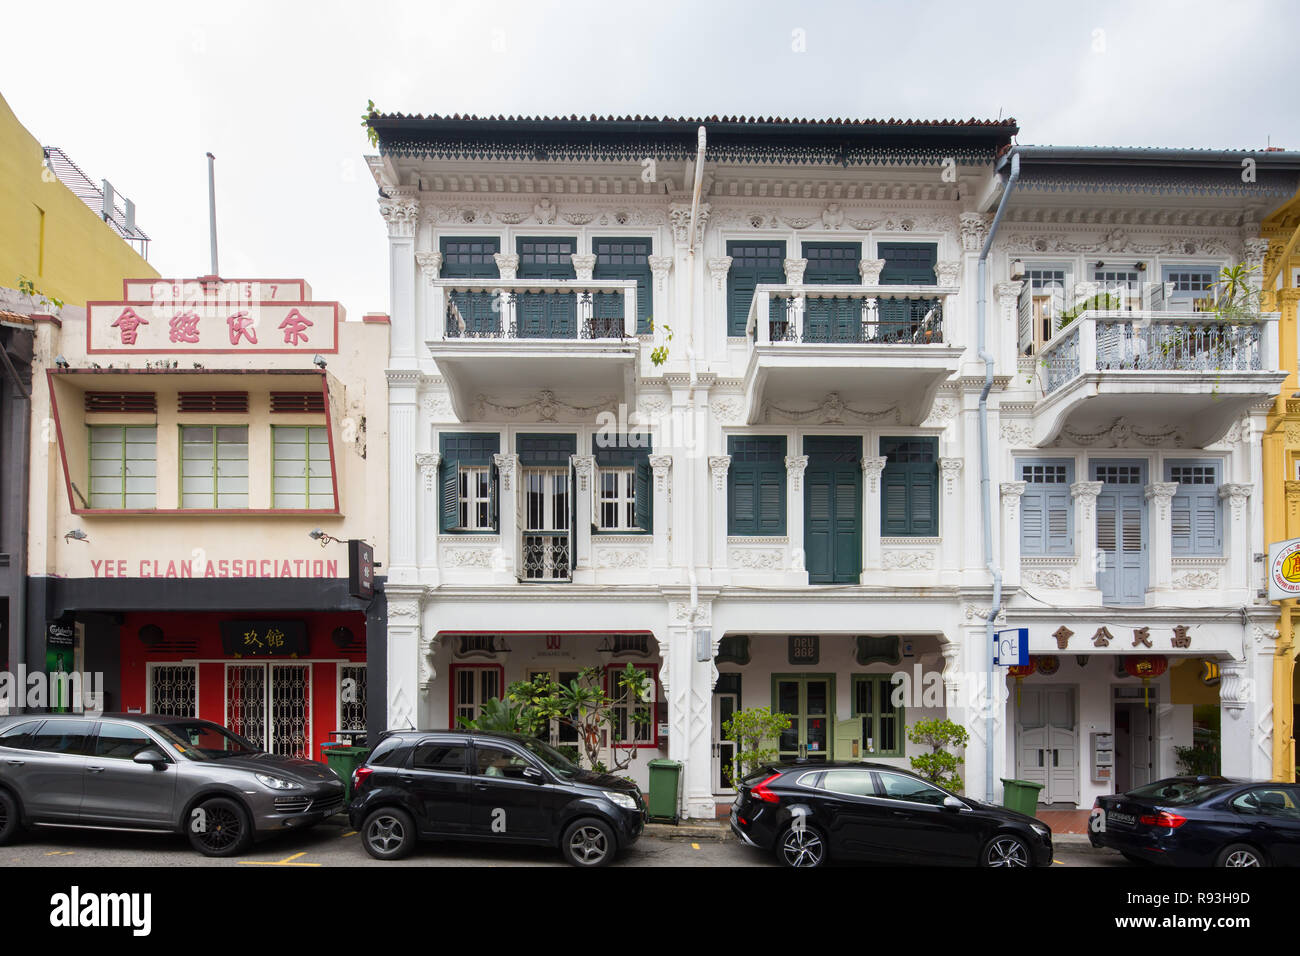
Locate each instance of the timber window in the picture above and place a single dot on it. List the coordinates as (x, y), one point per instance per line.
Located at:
(618, 258)
(123, 466)
(882, 722)
(752, 264)
(1196, 513)
(302, 472)
(624, 499)
(909, 500)
(1046, 508)
(908, 263)
(468, 481)
(214, 466)
(756, 485)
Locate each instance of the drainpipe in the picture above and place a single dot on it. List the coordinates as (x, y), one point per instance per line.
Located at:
(986, 508)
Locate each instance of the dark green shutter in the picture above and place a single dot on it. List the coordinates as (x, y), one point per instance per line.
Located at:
(893, 501)
(644, 496)
(909, 502)
(752, 263)
(908, 263)
(817, 525)
(848, 525)
(924, 501)
(450, 517)
(756, 485)
(619, 258)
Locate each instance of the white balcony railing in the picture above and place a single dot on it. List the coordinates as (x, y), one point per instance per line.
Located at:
(861, 315)
(533, 309)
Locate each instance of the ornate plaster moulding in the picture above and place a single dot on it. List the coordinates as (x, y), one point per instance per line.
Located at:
(832, 410)
(1118, 241)
(545, 407)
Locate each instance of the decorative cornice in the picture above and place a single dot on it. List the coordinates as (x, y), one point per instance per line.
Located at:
(831, 411)
(545, 407)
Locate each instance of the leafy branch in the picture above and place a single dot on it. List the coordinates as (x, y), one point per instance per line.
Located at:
(28, 288)
(371, 113)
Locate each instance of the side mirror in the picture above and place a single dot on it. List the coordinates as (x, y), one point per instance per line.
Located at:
(952, 803)
(151, 755)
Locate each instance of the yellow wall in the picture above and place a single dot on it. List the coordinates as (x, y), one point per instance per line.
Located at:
(69, 252)
(1281, 452)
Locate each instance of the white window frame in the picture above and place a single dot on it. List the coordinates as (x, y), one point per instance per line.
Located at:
(623, 500)
(474, 497)
(626, 707)
(474, 708)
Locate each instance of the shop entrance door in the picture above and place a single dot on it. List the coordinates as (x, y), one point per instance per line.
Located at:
(270, 704)
(1047, 743)
(807, 698)
(1134, 743)
(725, 706)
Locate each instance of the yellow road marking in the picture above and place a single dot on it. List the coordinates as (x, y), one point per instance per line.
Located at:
(60, 853)
(695, 846)
(287, 861)
(350, 833)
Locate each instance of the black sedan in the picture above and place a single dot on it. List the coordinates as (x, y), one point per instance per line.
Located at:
(1202, 821)
(809, 814)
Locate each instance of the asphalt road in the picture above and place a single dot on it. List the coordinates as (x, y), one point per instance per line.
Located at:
(335, 845)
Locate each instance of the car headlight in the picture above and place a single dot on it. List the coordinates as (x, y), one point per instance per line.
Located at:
(275, 783)
(1041, 830)
(623, 800)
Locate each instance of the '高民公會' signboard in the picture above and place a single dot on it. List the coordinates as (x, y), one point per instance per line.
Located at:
(1284, 570)
(170, 316)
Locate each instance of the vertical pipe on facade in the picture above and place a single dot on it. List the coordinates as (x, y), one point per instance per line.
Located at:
(690, 356)
(212, 210)
(986, 508)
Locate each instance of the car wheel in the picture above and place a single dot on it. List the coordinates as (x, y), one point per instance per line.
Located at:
(10, 824)
(1239, 854)
(219, 827)
(388, 834)
(1006, 849)
(588, 842)
(801, 847)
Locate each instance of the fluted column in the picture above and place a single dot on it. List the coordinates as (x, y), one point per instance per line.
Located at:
(427, 517)
(1085, 495)
(584, 473)
(661, 468)
(718, 467)
(1159, 494)
(871, 469)
(1012, 492)
(795, 465)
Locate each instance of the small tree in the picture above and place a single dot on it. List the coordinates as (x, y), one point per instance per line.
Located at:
(749, 729)
(939, 766)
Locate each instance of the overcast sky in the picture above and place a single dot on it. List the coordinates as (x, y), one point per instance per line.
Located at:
(138, 93)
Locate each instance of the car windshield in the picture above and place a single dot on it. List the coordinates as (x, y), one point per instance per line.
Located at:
(1178, 793)
(203, 740)
(549, 756)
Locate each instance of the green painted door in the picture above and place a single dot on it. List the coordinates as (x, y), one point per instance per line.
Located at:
(808, 699)
(833, 510)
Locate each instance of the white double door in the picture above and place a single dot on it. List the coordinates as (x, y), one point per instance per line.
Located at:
(1047, 742)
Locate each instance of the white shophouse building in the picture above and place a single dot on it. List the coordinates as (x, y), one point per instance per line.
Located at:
(786, 512)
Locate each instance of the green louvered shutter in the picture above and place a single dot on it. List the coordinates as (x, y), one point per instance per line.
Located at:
(752, 263)
(910, 487)
(472, 257)
(620, 258)
(817, 524)
(908, 263)
(450, 510)
(756, 485)
(464, 449)
(924, 501)
(644, 496)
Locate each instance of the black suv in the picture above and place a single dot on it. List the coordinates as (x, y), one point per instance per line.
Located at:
(471, 785)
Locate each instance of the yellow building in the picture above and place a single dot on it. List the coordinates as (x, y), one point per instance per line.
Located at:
(48, 233)
(1281, 283)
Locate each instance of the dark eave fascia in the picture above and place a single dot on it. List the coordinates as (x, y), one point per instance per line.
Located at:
(1096, 156)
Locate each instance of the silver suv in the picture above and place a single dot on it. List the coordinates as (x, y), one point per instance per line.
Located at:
(168, 774)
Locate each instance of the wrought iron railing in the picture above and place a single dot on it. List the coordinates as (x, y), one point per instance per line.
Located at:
(1189, 343)
(860, 316)
(546, 557)
(534, 315)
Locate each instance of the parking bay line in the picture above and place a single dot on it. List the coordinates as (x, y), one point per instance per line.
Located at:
(287, 861)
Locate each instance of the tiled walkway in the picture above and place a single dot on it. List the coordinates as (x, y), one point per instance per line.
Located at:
(1065, 821)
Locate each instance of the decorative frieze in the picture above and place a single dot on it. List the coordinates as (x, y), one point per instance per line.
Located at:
(908, 560)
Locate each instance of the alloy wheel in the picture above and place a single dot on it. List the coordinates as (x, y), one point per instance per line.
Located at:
(1241, 858)
(386, 834)
(224, 828)
(588, 845)
(1006, 851)
(802, 848)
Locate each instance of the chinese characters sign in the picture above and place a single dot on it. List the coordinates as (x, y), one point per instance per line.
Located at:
(169, 317)
(265, 638)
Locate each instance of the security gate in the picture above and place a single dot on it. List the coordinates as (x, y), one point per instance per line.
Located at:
(173, 690)
(270, 704)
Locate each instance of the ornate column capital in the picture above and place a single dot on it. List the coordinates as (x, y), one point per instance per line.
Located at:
(660, 465)
(948, 272)
(1162, 492)
(1007, 291)
(795, 465)
(974, 230)
(1252, 256)
(660, 266)
(401, 214)
(794, 270)
(1236, 493)
(950, 468)
(507, 264)
(428, 462)
(871, 269)
(583, 265)
(873, 467)
(506, 469)
(718, 467)
(718, 269)
(430, 264)
(1236, 690)
(679, 213)
(1086, 493)
(1012, 491)
(584, 466)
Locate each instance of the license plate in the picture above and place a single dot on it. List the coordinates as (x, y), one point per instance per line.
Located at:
(1123, 819)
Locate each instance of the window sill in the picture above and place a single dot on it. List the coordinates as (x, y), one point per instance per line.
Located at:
(206, 512)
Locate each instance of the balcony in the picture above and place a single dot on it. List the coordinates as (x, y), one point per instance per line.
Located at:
(878, 353)
(517, 339)
(1183, 376)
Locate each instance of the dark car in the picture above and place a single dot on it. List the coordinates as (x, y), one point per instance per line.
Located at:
(145, 772)
(809, 814)
(1202, 821)
(499, 788)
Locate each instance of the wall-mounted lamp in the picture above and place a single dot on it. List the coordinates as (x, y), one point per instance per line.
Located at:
(318, 361)
(1017, 269)
(1099, 265)
(61, 362)
(318, 535)
(1140, 266)
(76, 534)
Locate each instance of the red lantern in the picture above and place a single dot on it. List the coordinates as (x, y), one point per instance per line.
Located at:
(1148, 667)
(1020, 672)
(1048, 664)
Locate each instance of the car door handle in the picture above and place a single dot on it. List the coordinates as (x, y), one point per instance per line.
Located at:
(15, 763)
(95, 769)
(406, 777)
